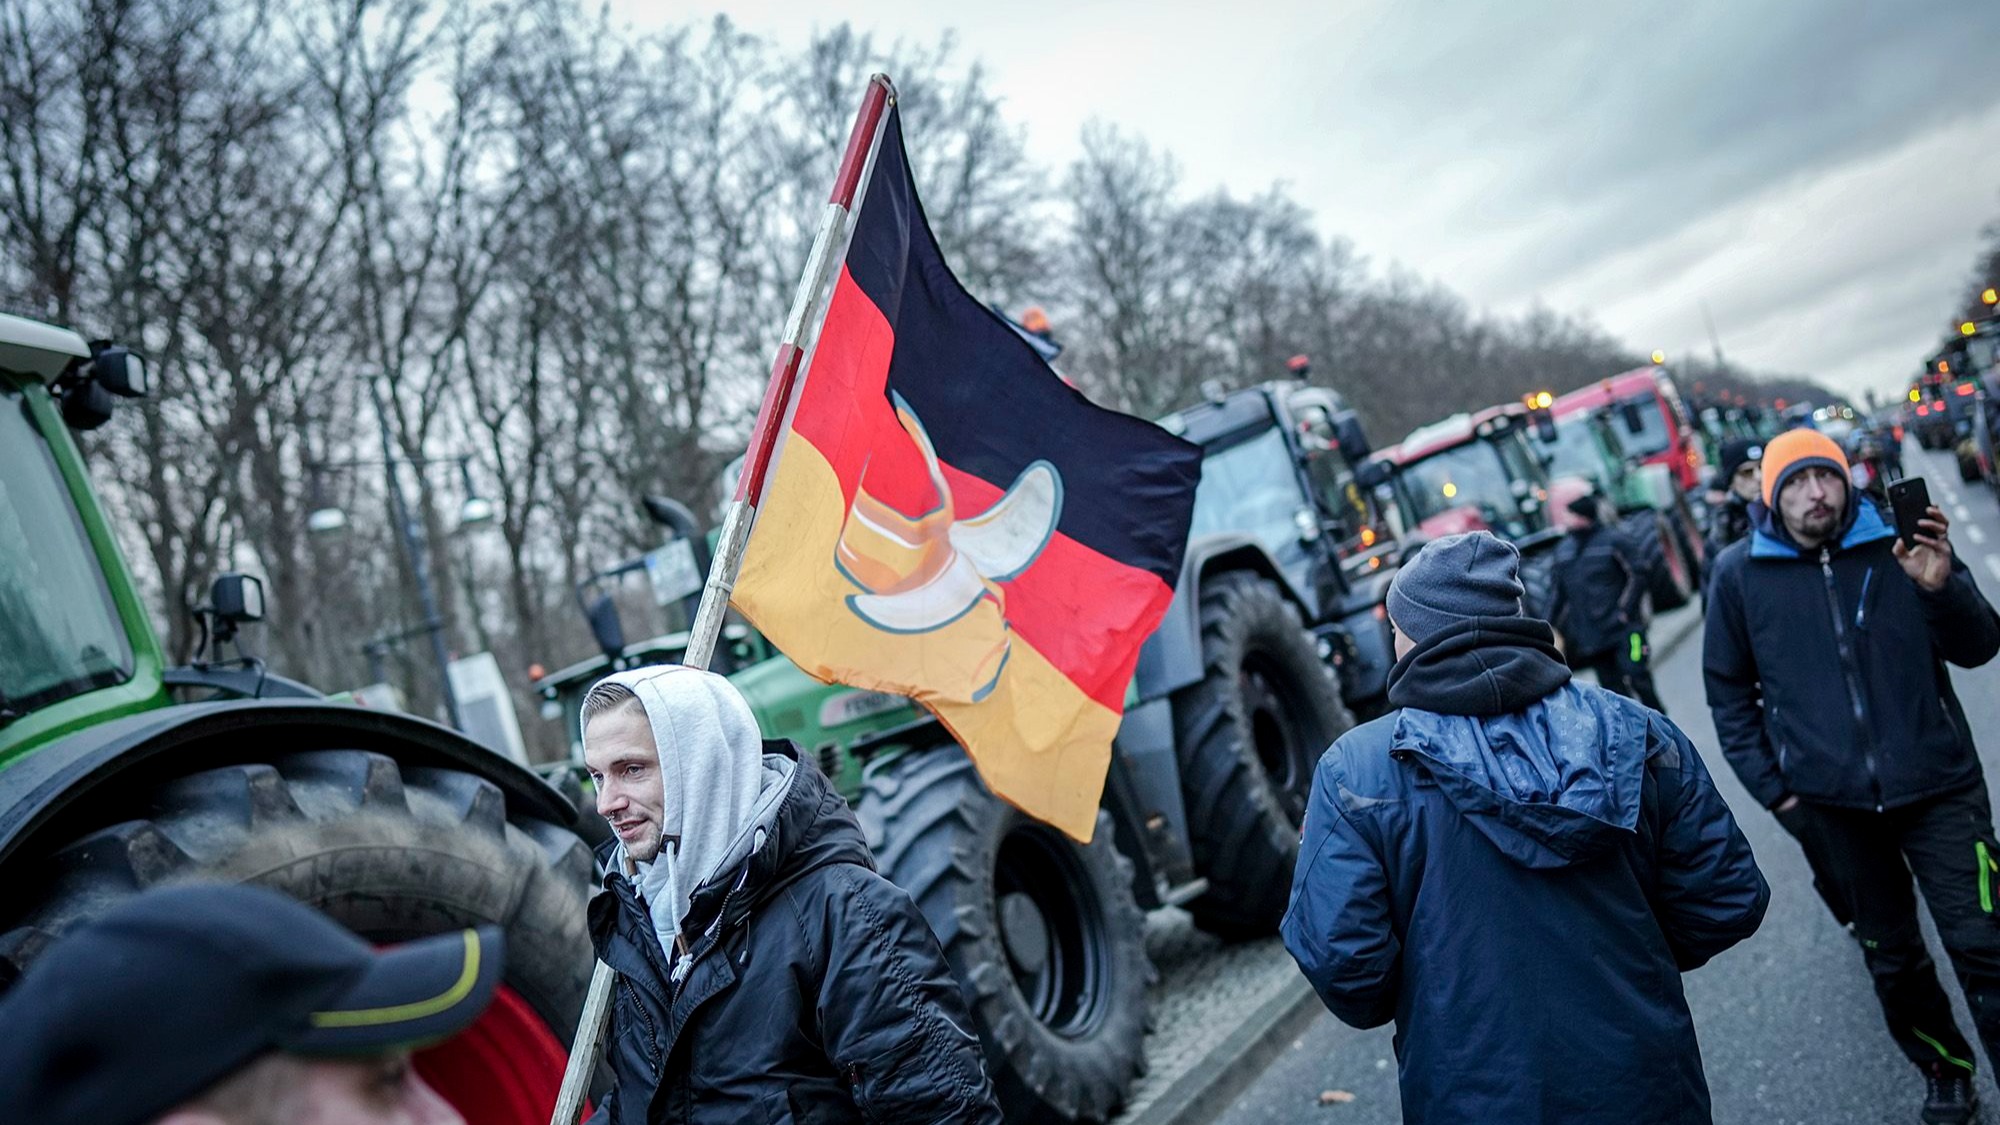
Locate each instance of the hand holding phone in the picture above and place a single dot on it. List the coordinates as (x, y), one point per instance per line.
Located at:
(1910, 499)
(1924, 552)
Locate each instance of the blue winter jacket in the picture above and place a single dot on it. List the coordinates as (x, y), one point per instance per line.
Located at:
(1517, 875)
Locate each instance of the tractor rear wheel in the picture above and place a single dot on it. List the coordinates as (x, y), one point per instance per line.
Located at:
(1042, 932)
(392, 852)
(1250, 735)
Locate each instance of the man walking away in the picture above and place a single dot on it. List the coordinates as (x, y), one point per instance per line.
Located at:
(766, 972)
(1600, 605)
(1825, 656)
(1516, 868)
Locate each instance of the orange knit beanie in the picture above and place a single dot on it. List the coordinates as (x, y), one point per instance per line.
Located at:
(1794, 450)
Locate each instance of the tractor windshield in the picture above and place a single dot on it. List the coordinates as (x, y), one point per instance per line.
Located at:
(1251, 487)
(59, 629)
(1476, 478)
(1651, 437)
(1575, 452)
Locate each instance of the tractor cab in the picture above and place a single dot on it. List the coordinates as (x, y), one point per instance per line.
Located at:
(1472, 472)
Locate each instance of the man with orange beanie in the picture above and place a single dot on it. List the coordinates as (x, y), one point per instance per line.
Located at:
(1825, 656)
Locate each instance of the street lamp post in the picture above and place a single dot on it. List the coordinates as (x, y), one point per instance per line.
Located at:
(413, 554)
(326, 518)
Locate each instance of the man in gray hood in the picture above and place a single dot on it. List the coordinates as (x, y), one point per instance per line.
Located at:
(766, 971)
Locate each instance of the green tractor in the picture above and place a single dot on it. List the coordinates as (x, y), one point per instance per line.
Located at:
(1275, 637)
(118, 772)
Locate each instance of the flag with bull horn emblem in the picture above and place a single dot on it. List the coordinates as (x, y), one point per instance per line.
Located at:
(945, 518)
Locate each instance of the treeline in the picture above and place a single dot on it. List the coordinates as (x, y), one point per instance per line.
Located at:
(560, 251)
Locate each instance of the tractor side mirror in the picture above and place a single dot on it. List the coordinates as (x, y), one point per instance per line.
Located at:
(1353, 439)
(1371, 474)
(121, 371)
(606, 627)
(237, 598)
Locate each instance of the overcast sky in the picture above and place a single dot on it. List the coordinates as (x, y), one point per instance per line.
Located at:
(1817, 173)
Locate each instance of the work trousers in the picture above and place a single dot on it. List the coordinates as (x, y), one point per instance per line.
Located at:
(1628, 670)
(1863, 862)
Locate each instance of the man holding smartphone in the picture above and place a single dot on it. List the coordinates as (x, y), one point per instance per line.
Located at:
(1827, 637)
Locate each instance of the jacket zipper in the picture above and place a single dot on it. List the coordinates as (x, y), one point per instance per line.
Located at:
(684, 967)
(1850, 674)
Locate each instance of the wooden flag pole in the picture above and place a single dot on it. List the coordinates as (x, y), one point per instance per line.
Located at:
(808, 310)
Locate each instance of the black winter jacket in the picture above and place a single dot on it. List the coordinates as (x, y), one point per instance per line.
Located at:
(817, 994)
(1517, 869)
(1599, 591)
(1728, 523)
(1826, 669)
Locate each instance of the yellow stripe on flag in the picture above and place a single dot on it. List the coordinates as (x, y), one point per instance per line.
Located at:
(1038, 740)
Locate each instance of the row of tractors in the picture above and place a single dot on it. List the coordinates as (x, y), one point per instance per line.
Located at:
(120, 771)
(1951, 405)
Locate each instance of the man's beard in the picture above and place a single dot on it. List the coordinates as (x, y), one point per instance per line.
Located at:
(1817, 524)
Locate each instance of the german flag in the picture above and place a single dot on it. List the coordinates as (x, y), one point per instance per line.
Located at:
(946, 519)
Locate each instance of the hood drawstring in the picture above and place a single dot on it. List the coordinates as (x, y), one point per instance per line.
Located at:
(685, 961)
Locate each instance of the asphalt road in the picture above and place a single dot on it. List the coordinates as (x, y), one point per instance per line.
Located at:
(1789, 1027)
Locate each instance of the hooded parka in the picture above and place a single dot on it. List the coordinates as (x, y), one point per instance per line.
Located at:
(1826, 668)
(1516, 869)
(813, 991)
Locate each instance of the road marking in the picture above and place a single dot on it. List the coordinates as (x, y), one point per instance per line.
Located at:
(1993, 564)
(1973, 533)
(1960, 513)
(1949, 493)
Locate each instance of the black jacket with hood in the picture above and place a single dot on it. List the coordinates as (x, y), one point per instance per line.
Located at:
(1826, 669)
(816, 992)
(1516, 869)
(1600, 591)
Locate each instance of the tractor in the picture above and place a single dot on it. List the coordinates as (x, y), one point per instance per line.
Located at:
(119, 772)
(1585, 450)
(1274, 639)
(1474, 472)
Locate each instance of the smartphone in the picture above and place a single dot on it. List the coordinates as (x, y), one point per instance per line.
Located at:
(1911, 499)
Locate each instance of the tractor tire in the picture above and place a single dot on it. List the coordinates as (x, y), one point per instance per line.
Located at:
(1249, 736)
(1674, 579)
(391, 852)
(1042, 932)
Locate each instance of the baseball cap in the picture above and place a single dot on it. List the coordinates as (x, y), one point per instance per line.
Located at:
(176, 988)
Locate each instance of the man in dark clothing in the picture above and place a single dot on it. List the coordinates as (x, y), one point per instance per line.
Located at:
(1825, 656)
(1600, 605)
(1740, 480)
(1516, 869)
(766, 972)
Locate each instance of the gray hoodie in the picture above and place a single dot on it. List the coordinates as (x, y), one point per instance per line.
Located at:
(721, 789)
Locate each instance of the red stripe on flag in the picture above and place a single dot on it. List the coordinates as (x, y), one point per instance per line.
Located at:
(1072, 604)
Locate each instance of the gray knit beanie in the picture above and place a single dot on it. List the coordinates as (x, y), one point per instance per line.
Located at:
(1452, 579)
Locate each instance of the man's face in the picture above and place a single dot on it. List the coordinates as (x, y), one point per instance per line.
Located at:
(282, 1089)
(1403, 642)
(1748, 482)
(624, 762)
(1811, 504)
(376, 1091)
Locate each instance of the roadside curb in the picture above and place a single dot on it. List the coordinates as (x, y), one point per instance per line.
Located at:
(1211, 1085)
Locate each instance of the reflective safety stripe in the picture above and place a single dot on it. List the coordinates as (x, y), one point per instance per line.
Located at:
(1986, 869)
(1939, 1048)
(1635, 648)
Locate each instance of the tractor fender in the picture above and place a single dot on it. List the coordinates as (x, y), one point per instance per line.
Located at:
(1171, 658)
(115, 764)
